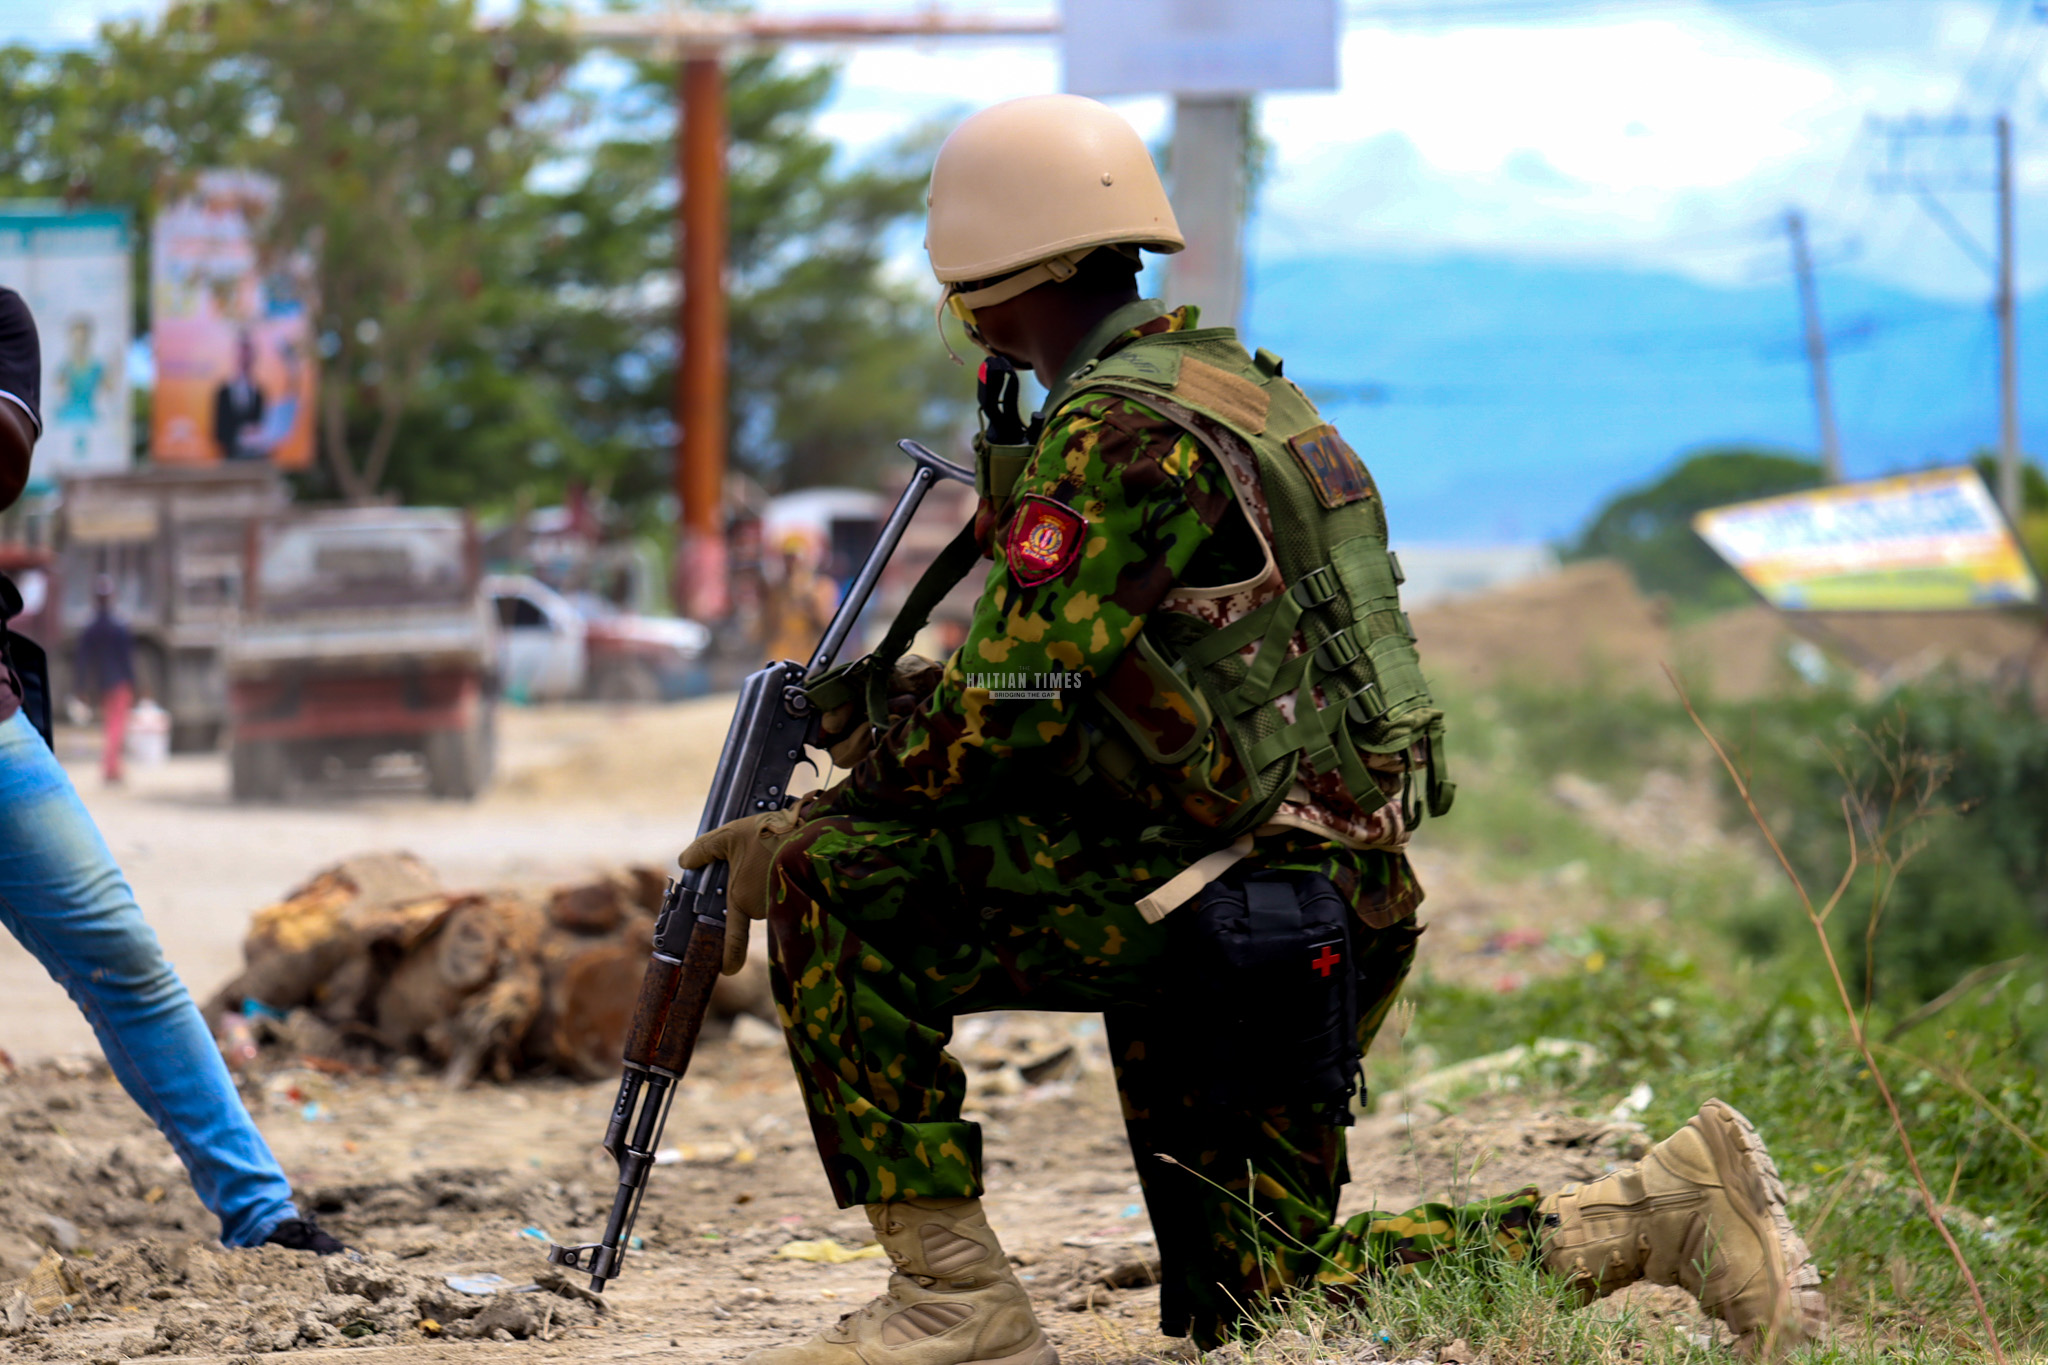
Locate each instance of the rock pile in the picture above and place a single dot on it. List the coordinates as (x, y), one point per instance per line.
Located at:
(373, 960)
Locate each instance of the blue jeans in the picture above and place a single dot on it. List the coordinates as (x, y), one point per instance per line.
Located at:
(63, 896)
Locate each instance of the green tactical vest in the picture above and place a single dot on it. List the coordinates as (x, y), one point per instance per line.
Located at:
(1185, 725)
(1356, 683)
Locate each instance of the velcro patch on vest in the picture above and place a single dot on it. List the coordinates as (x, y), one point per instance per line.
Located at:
(1237, 401)
(1045, 538)
(1332, 466)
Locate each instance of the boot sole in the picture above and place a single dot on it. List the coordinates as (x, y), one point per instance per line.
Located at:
(1040, 1352)
(1800, 1311)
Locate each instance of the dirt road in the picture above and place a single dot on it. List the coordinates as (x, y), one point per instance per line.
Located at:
(444, 1190)
(441, 1188)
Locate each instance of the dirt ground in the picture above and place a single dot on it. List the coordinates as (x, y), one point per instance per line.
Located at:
(437, 1187)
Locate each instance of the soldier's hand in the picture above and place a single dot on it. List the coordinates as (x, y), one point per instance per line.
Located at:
(747, 847)
(845, 731)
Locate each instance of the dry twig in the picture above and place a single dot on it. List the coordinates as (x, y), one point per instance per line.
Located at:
(1818, 919)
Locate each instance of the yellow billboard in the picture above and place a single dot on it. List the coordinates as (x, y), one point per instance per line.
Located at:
(1932, 541)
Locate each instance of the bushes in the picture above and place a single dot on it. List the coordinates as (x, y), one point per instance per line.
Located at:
(1725, 996)
(1960, 769)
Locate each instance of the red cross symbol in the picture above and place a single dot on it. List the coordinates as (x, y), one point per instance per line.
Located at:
(1328, 960)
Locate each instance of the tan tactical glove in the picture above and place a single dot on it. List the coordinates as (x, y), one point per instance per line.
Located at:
(844, 731)
(747, 847)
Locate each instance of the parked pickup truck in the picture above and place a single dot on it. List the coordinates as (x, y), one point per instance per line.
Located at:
(364, 634)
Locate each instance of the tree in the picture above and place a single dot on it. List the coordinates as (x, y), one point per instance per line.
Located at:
(494, 232)
(832, 356)
(401, 135)
(1650, 528)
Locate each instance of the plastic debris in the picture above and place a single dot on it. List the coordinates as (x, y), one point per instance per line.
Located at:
(63, 1233)
(825, 1251)
(486, 1283)
(54, 1287)
(534, 1234)
(1634, 1103)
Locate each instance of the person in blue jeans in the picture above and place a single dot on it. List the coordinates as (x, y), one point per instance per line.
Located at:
(63, 896)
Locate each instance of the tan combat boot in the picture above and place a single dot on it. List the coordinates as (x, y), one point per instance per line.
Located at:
(1703, 1210)
(953, 1299)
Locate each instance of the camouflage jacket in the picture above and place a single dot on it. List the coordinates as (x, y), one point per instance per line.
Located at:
(1117, 506)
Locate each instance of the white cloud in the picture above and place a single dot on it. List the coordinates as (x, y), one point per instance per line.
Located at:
(1663, 135)
(1672, 139)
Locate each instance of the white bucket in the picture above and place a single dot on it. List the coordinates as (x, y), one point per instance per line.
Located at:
(149, 734)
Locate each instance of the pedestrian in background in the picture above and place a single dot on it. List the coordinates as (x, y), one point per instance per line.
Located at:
(106, 674)
(63, 896)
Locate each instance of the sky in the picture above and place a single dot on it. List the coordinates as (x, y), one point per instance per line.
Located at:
(1522, 161)
(1661, 134)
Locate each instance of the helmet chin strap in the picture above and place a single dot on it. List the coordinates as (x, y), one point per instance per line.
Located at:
(1051, 270)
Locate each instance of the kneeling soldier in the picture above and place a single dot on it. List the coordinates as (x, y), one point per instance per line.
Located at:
(1168, 776)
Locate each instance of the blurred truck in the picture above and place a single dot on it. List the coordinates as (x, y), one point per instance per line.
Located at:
(554, 647)
(171, 539)
(364, 634)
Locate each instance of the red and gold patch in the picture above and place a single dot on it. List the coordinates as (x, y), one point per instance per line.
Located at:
(1045, 538)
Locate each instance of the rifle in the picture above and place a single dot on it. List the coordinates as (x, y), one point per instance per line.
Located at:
(770, 727)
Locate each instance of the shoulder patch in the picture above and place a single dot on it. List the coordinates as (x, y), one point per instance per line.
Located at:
(1045, 538)
(1332, 466)
(1237, 401)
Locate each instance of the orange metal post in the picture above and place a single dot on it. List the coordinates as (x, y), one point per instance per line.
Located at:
(700, 375)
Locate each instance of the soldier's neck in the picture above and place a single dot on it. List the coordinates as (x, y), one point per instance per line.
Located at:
(1065, 326)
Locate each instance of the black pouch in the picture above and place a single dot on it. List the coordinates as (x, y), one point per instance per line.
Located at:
(1263, 996)
(29, 664)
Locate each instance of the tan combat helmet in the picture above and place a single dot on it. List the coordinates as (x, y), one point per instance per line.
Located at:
(1024, 189)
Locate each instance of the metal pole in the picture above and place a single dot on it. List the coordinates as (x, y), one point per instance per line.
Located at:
(700, 371)
(1816, 348)
(2008, 339)
(1209, 195)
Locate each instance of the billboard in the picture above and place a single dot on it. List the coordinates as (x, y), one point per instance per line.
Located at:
(1933, 541)
(231, 330)
(73, 269)
(1198, 47)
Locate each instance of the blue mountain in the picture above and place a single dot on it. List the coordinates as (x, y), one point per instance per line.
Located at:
(1501, 401)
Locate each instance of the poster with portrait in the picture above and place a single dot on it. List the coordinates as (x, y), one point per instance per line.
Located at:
(72, 268)
(231, 330)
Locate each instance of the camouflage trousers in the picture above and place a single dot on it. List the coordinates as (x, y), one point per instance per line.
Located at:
(883, 932)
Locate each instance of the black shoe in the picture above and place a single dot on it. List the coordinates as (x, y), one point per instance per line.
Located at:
(303, 1234)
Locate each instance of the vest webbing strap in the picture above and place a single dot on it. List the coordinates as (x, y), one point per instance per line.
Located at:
(946, 571)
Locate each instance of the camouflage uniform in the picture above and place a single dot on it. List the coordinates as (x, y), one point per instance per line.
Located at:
(958, 870)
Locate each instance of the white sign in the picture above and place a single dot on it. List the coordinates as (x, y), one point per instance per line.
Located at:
(73, 271)
(1199, 47)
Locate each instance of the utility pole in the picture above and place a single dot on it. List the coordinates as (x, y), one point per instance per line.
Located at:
(1816, 348)
(1209, 194)
(700, 571)
(1900, 177)
(699, 40)
(2009, 496)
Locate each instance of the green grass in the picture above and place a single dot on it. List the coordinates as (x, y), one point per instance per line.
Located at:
(1729, 996)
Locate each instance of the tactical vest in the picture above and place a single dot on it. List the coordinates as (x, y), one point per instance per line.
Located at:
(1208, 726)
(1214, 722)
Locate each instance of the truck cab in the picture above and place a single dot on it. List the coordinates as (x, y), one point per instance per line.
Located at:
(363, 633)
